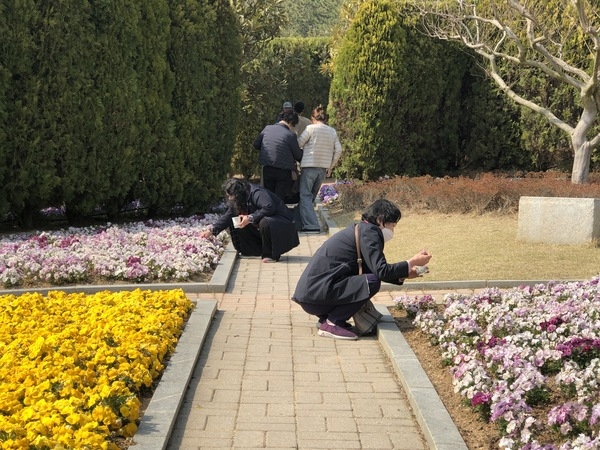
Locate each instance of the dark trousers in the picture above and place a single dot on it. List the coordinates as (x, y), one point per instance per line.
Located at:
(252, 240)
(339, 314)
(277, 180)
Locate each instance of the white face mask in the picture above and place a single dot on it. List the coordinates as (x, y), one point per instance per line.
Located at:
(387, 234)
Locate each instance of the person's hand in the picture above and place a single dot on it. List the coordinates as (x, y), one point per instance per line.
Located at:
(206, 234)
(414, 273)
(420, 259)
(328, 173)
(245, 220)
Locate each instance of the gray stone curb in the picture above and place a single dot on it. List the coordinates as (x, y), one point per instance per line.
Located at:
(159, 418)
(431, 414)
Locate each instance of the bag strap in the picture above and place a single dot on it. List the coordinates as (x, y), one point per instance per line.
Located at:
(359, 256)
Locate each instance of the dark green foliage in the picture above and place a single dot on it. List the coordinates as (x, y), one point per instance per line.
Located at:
(309, 18)
(224, 107)
(28, 172)
(548, 147)
(200, 90)
(91, 116)
(366, 92)
(405, 104)
(96, 159)
(490, 132)
(426, 121)
(158, 161)
(302, 61)
(288, 69)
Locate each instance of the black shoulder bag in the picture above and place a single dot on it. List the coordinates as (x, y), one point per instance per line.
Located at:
(365, 320)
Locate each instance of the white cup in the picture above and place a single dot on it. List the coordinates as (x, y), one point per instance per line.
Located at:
(236, 221)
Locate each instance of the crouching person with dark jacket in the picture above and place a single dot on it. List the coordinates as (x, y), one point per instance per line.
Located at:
(332, 289)
(264, 224)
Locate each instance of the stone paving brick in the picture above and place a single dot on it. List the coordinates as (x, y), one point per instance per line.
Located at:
(286, 424)
(249, 439)
(309, 421)
(344, 424)
(278, 439)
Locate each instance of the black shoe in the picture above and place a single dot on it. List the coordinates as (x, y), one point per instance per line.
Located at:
(310, 230)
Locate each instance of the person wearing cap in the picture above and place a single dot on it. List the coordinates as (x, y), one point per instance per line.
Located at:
(278, 154)
(287, 107)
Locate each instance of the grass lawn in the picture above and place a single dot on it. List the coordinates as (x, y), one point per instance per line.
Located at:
(482, 247)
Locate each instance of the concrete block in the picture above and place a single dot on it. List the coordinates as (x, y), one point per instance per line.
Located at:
(559, 220)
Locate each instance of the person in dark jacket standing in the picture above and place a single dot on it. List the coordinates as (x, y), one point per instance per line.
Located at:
(266, 226)
(330, 286)
(279, 153)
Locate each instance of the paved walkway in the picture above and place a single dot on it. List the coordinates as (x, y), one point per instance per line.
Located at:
(265, 379)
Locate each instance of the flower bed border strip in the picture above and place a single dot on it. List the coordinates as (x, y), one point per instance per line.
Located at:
(434, 420)
(161, 414)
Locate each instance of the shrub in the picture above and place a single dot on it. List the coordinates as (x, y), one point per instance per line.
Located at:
(481, 194)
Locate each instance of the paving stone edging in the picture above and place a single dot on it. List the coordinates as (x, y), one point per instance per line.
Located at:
(432, 416)
(160, 415)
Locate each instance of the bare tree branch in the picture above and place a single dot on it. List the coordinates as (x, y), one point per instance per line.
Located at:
(547, 36)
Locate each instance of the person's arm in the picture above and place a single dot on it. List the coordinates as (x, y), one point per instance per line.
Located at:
(371, 242)
(263, 203)
(304, 138)
(337, 151)
(257, 144)
(295, 148)
(371, 246)
(221, 224)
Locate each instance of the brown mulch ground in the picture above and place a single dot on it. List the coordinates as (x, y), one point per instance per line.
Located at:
(477, 434)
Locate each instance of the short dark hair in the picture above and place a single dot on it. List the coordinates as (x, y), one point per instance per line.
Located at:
(290, 117)
(382, 211)
(299, 107)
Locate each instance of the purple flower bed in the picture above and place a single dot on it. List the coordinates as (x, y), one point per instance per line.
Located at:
(329, 193)
(150, 251)
(527, 359)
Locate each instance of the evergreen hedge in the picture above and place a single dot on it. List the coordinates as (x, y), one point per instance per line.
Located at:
(288, 69)
(105, 102)
(405, 104)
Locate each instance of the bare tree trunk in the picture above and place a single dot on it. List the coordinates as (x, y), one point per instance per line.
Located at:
(581, 160)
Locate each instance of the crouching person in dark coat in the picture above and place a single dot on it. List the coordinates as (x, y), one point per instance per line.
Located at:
(266, 227)
(332, 289)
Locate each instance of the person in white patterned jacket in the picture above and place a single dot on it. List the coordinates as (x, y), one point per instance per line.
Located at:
(322, 150)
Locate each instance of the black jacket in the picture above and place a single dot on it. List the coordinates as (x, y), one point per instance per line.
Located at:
(331, 276)
(264, 205)
(278, 147)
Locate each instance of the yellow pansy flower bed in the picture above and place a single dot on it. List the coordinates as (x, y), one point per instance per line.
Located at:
(72, 365)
